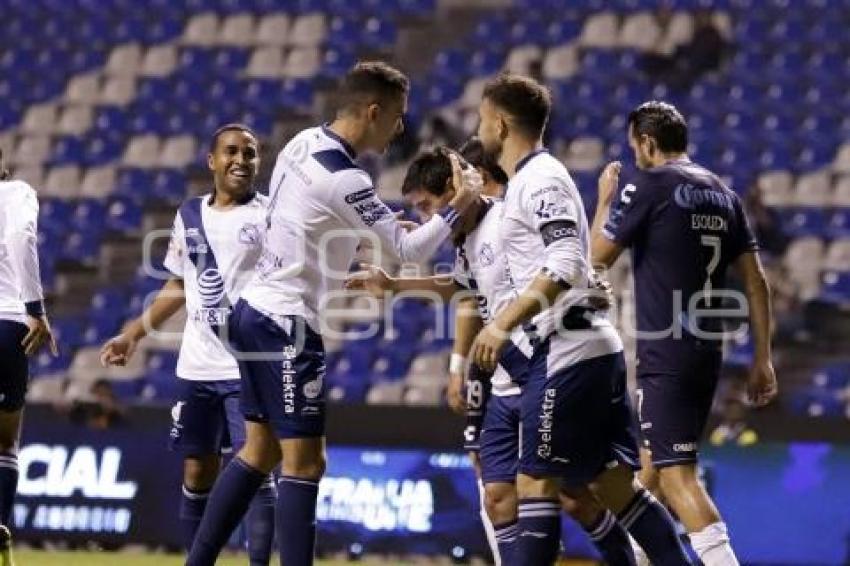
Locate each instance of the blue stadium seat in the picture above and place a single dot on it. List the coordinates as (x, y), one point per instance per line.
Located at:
(832, 377)
(836, 287)
(104, 148)
(123, 214)
(336, 63)
(804, 222)
(485, 62)
(69, 150)
(229, 59)
(378, 33)
(816, 403)
(54, 215)
(45, 363)
(68, 331)
(82, 247)
(295, 94)
(839, 224)
(168, 185)
(89, 214)
(489, 28)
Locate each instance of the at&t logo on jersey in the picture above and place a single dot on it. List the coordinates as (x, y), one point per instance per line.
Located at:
(211, 287)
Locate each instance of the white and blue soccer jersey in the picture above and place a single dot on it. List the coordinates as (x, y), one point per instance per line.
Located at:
(20, 282)
(214, 252)
(481, 268)
(545, 229)
(322, 206)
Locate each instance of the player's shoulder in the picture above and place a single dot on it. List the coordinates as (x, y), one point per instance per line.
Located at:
(18, 188)
(261, 200)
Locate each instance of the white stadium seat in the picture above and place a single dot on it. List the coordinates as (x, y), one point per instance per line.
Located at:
(309, 30)
(142, 151)
(238, 30)
(178, 151)
(32, 174)
(201, 30)
(302, 63)
(83, 88)
(777, 188)
(520, 59)
(75, 120)
(40, 119)
(837, 257)
(125, 60)
(98, 182)
(265, 62)
(63, 181)
(841, 193)
(813, 189)
(841, 163)
(561, 62)
(118, 91)
(159, 61)
(585, 154)
(32, 150)
(640, 31)
(600, 30)
(273, 30)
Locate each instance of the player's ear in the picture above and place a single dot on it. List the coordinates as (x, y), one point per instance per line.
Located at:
(211, 161)
(373, 111)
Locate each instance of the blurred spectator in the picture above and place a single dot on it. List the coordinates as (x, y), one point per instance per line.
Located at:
(766, 223)
(733, 428)
(101, 411)
(680, 66)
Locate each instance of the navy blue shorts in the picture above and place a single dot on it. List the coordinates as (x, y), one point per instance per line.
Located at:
(477, 396)
(500, 439)
(282, 366)
(576, 422)
(14, 366)
(673, 410)
(206, 418)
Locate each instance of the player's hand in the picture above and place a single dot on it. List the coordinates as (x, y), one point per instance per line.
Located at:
(467, 183)
(118, 351)
(601, 293)
(609, 180)
(762, 387)
(371, 279)
(454, 393)
(408, 225)
(39, 335)
(488, 347)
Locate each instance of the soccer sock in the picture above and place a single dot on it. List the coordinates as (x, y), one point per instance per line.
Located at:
(653, 528)
(539, 532)
(640, 556)
(489, 529)
(8, 485)
(611, 540)
(232, 494)
(260, 524)
(192, 505)
(712, 545)
(507, 540)
(296, 520)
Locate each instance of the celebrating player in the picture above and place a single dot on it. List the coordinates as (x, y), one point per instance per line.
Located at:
(24, 330)
(685, 228)
(214, 246)
(576, 421)
(322, 204)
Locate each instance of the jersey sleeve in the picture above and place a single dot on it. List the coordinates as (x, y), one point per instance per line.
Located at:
(356, 201)
(176, 254)
(554, 213)
(462, 276)
(743, 239)
(22, 235)
(630, 212)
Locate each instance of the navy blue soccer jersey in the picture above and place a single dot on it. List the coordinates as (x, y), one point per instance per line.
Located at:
(684, 227)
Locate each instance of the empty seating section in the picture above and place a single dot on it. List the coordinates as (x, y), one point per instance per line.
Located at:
(129, 102)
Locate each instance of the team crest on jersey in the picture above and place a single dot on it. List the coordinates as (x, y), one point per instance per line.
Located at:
(299, 151)
(486, 255)
(249, 234)
(312, 389)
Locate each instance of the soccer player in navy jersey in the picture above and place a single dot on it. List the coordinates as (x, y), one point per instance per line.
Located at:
(685, 227)
(24, 330)
(214, 246)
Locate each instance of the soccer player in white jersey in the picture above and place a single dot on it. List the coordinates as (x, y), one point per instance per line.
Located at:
(322, 205)
(214, 247)
(573, 428)
(24, 329)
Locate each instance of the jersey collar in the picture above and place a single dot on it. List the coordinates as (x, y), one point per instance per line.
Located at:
(524, 161)
(249, 196)
(333, 135)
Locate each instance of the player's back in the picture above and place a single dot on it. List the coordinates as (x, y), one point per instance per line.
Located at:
(685, 227)
(308, 246)
(18, 214)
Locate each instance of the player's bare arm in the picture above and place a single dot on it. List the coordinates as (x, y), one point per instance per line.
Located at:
(488, 345)
(604, 251)
(762, 387)
(377, 283)
(468, 324)
(118, 350)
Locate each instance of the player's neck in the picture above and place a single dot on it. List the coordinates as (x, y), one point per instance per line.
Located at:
(223, 200)
(514, 150)
(349, 131)
(665, 158)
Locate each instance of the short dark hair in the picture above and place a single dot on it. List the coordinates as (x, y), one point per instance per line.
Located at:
(4, 173)
(527, 101)
(370, 80)
(663, 122)
(473, 151)
(231, 127)
(430, 170)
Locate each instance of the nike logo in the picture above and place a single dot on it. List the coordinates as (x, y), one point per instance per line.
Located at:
(534, 534)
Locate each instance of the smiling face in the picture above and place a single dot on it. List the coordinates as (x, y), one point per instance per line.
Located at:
(234, 162)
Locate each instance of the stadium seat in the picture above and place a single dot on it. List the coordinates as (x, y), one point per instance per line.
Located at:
(777, 188)
(40, 119)
(800, 222)
(98, 182)
(308, 30)
(273, 30)
(32, 150)
(302, 63)
(639, 31)
(836, 287)
(265, 62)
(83, 88)
(63, 180)
(813, 189)
(202, 30)
(125, 60)
(142, 152)
(832, 377)
(561, 62)
(159, 61)
(238, 30)
(520, 59)
(74, 120)
(802, 261)
(600, 30)
(118, 91)
(841, 163)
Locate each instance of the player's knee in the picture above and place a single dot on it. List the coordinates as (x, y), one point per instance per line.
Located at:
(581, 505)
(310, 466)
(200, 473)
(500, 502)
(529, 486)
(676, 479)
